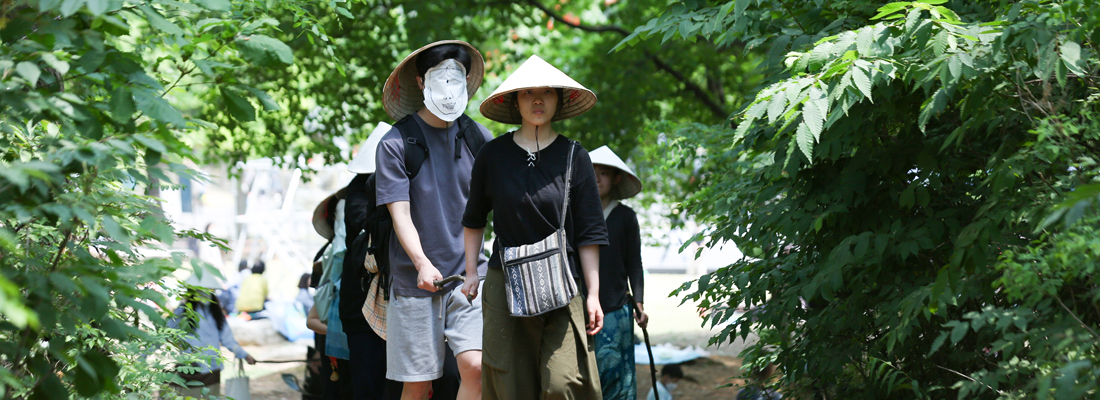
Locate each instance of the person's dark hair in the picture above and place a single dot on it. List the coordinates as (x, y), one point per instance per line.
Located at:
(435, 55)
(259, 267)
(303, 282)
(242, 266)
(199, 301)
(672, 371)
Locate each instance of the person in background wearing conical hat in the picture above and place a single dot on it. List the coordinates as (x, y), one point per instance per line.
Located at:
(520, 177)
(620, 265)
(327, 221)
(428, 93)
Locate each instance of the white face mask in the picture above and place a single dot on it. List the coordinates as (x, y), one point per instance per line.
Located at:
(445, 90)
(670, 386)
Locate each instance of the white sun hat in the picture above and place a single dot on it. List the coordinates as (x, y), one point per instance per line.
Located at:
(402, 95)
(630, 185)
(532, 74)
(363, 162)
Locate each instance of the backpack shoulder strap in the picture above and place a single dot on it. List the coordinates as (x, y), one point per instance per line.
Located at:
(416, 148)
(470, 134)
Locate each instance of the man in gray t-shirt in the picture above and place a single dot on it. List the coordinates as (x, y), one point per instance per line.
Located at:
(427, 212)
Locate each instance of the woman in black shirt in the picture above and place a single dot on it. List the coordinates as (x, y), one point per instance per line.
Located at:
(620, 266)
(520, 177)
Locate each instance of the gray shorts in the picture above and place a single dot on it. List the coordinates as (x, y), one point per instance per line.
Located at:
(416, 327)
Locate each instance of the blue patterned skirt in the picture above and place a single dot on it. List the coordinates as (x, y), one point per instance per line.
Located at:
(615, 355)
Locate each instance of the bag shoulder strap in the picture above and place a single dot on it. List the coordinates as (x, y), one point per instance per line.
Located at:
(468, 131)
(416, 146)
(568, 182)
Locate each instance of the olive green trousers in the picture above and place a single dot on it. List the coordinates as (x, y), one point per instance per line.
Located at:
(546, 357)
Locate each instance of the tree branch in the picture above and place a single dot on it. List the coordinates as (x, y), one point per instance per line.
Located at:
(698, 91)
(587, 28)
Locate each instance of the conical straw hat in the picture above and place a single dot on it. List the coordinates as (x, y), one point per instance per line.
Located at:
(363, 163)
(402, 96)
(320, 223)
(532, 74)
(626, 188)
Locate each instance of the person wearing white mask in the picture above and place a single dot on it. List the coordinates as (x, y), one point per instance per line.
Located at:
(423, 178)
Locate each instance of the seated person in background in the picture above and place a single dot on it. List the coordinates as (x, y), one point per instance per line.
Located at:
(670, 375)
(756, 391)
(304, 298)
(253, 292)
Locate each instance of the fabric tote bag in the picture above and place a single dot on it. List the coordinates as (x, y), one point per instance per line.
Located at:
(537, 276)
(237, 386)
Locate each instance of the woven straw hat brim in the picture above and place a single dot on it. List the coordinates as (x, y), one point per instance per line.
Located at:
(319, 223)
(630, 185)
(534, 73)
(402, 96)
(364, 162)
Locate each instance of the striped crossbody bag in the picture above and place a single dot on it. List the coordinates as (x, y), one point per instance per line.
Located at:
(538, 279)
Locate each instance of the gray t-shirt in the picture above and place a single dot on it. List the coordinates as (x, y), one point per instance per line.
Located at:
(437, 198)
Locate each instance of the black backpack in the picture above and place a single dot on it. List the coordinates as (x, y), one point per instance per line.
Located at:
(367, 223)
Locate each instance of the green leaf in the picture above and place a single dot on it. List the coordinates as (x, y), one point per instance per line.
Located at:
(756, 110)
(98, 7)
(159, 22)
(805, 139)
(938, 343)
(959, 331)
(264, 50)
(157, 108)
(343, 11)
(890, 8)
(150, 143)
(954, 65)
(28, 71)
(776, 106)
(61, 67)
(814, 118)
(70, 7)
(12, 307)
(238, 106)
(1071, 56)
(265, 99)
(865, 40)
(863, 82)
(122, 105)
(47, 5)
(931, 107)
(215, 5)
(939, 42)
(739, 7)
(907, 198)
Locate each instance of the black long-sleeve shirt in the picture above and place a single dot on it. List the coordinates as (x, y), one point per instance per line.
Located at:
(526, 200)
(621, 260)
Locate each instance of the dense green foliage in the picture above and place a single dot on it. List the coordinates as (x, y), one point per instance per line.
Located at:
(338, 89)
(916, 186)
(103, 101)
(90, 111)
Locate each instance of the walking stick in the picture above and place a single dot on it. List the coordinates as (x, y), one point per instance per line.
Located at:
(648, 348)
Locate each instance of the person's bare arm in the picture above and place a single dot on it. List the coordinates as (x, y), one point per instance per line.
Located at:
(472, 238)
(313, 321)
(590, 267)
(409, 238)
